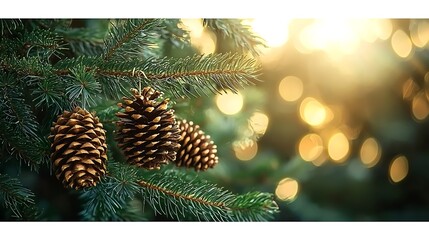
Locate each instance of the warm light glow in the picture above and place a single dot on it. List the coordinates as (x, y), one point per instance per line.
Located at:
(274, 31)
(259, 122)
(420, 106)
(342, 36)
(369, 31)
(312, 112)
(332, 35)
(229, 103)
(423, 31)
(245, 150)
(420, 34)
(310, 147)
(409, 89)
(401, 43)
(287, 189)
(204, 41)
(374, 29)
(351, 133)
(426, 78)
(338, 147)
(291, 88)
(370, 152)
(398, 169)
(383, 28)
(320, 160)
(193, 25)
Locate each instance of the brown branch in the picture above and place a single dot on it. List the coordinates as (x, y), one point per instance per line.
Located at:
(178, 195)
(166, 75)
(63, 72)
(7, 67)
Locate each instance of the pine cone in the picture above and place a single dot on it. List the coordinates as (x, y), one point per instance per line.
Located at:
(78, 149)
(196, 148)
(147, 131)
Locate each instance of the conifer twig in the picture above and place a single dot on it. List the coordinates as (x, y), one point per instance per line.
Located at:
(177, 195)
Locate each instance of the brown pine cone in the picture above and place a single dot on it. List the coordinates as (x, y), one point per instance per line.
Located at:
(196, 149)
(78, 149)
(147, 131)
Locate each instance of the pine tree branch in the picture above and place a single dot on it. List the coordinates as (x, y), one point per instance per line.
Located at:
(40, 43)
(132, 31)
(99, 202)
(112, 86)
(13, 108)
(46, 24)
(243, 37)
(48, 93)
(173, 35)
(16, 197)
(19, 129)
(26, 66)
(109, 200)
(189, 76)
(199, 74)
(33, 153)
(82, 86)
(176, 195)
(9, 25)
(84, 41)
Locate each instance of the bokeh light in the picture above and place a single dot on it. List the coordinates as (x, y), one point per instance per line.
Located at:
(398, 169)
(401, 43)
(310, 147)
(423, 33)
(229, 103)
(426, 86)
(370, 152)
(259, 122)
(320, 160)
(338, 147)
(409, 89)
(342, 36)
(273, 31)
(369, 31)
(245, 150)
(382, 27)
(291, 88)
(330, 35)
(345, 78)
(420, 34)
(287, 189)
(351, 132)
(204, 41)
(420, 106)
(313, 112)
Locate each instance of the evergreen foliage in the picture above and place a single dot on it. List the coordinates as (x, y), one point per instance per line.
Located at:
(49, 66)
(241, 35)
(16, 198)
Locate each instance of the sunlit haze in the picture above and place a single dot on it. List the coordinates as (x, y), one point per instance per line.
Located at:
(343, 98)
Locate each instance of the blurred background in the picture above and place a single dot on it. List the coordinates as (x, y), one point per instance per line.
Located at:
(337, 128)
